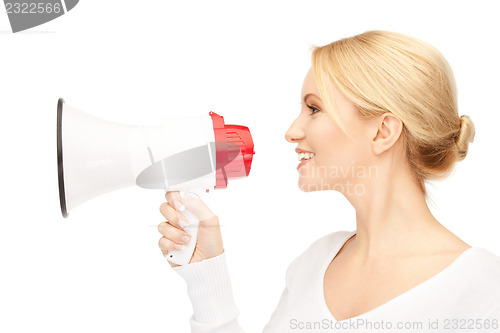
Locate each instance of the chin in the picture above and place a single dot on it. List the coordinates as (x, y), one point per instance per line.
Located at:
(312, 185)
(309, 186)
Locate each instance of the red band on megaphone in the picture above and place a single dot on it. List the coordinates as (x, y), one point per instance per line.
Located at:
(231, 163)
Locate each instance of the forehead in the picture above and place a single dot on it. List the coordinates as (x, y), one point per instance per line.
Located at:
(309, 86)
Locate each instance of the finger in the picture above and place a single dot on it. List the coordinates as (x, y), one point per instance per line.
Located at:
(182, 200)
(189, 201)
(173, 216)
(197, 206)
(174, 234)
(167, 245)
(174, 197)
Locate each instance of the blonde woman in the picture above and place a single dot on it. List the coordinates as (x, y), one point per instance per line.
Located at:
(382, 108)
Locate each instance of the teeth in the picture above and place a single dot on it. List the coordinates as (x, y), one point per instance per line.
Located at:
(306, 156)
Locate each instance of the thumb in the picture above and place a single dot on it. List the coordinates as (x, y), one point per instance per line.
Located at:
(196, 206)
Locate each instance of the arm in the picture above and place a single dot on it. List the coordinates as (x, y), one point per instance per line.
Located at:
(210, 292)
(207, 276)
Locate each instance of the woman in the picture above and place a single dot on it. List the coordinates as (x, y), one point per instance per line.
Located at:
(379, 118)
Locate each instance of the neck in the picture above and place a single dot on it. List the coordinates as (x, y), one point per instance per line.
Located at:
(392, 217)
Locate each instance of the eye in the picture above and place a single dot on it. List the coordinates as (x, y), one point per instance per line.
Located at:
(313, 109)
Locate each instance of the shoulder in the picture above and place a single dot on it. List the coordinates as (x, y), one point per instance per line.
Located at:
(318, 252)
(480, 276)
(487, 266)
(329, 242)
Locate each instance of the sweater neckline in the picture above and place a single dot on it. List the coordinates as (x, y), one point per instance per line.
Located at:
(334, 252)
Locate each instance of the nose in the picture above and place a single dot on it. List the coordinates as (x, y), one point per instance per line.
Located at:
(294, 133)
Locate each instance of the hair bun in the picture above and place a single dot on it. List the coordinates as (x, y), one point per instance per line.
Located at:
(466, 135)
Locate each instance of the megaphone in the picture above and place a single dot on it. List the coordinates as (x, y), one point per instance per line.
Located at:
(96, 156)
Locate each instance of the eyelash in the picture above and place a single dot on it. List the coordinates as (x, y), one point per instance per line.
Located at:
(313, 109)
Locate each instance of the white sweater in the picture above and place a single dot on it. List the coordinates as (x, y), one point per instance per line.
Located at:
(464, 297)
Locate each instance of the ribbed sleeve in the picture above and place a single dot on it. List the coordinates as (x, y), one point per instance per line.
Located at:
(210, 292)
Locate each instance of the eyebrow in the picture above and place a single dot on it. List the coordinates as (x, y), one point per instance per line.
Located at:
(310, 94)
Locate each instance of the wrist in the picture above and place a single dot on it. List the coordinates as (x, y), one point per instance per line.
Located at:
(201, 255)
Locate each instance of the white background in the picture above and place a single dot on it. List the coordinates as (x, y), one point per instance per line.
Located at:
(135, 62)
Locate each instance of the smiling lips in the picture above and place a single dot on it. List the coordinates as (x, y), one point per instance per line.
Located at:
(304, 157)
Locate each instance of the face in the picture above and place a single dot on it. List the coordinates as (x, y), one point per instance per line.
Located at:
(336, 155)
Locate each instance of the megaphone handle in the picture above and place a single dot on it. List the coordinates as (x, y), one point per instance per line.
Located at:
(183, 256)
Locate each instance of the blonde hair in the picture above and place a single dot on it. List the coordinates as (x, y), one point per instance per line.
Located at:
(380, 71)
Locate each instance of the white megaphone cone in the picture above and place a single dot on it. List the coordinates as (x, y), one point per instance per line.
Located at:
(96, 156)
(93, 156)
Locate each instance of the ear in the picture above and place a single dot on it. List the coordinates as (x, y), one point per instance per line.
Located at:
(389, 128)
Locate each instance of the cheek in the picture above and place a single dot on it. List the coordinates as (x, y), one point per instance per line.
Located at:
(331, 144)
(336, 151)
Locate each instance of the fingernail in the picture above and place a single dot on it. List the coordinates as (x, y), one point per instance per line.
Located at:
(179, 206)
(186, 239)
(178, 247)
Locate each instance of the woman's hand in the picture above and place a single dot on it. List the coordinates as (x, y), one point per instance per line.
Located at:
(209, 242)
